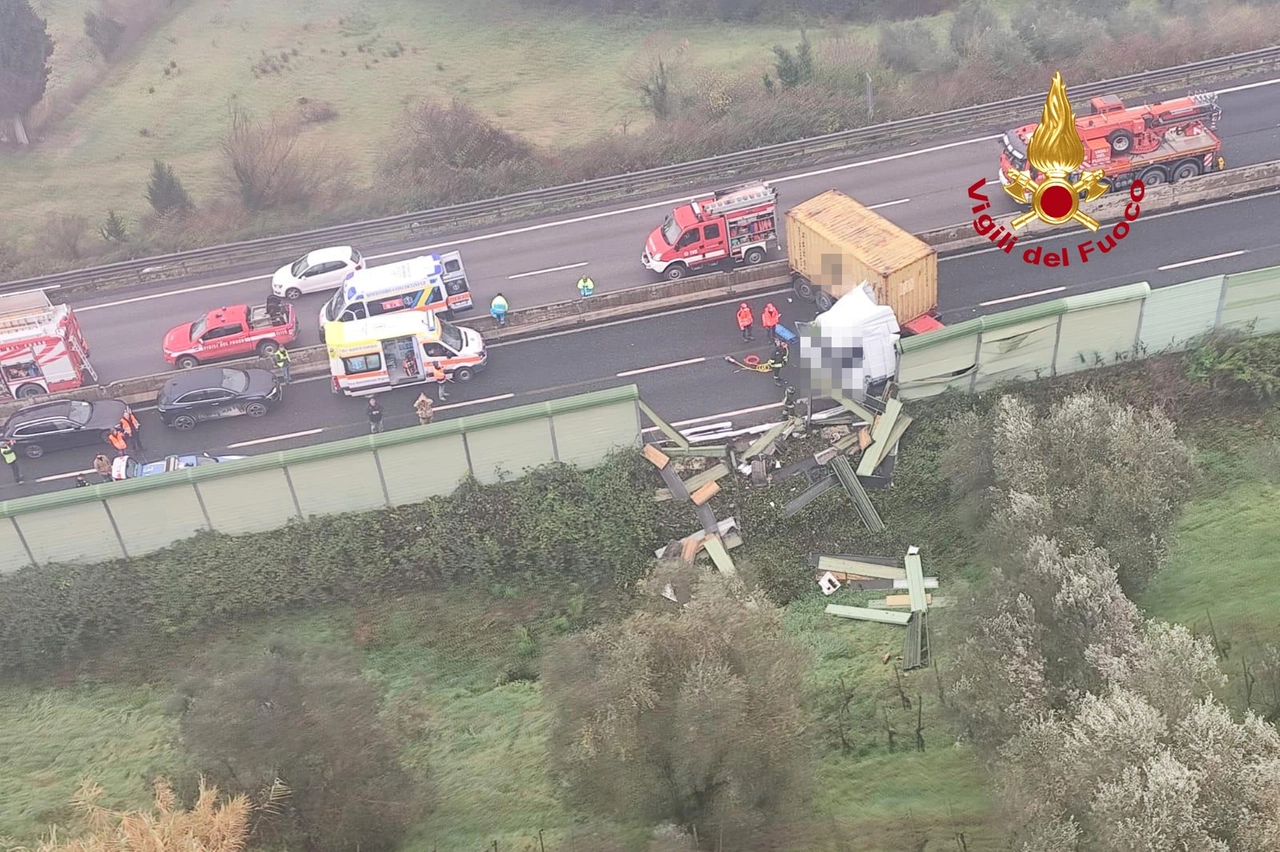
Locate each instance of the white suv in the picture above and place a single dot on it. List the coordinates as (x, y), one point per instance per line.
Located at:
(322, 269)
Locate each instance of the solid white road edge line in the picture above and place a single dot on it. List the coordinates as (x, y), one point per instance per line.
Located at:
(465, 403)
(1021, 296)
(1208, 259)
(545, 271)
(685, 363)
(302, 434)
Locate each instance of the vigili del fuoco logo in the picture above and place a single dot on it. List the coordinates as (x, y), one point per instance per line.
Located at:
(1055, 188)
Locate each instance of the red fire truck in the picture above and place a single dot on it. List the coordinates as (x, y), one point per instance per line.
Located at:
(1159, 143)
(733, 224)
(42, 349)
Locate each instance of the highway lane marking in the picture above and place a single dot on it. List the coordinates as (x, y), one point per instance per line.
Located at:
(694, 420)
(1145, 218)
(545, 271)
(467, 402)
(1021, 296)
(889, 203)
(58, 476)
(120, 302)
(302, 434)
(1208, 259)
(1248, 86)
(685, 363)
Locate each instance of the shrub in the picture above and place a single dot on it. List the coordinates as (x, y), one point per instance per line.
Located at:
(555, 523)
(112, 228)
(265, 166)
(1232, 364)
(103, 31)
(910, 47)
(165, 191)
(312, 725)
(66, 231)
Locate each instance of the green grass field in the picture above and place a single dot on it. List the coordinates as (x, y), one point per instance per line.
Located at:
(552, 77)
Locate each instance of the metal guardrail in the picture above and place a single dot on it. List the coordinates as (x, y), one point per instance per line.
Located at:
(698, 172)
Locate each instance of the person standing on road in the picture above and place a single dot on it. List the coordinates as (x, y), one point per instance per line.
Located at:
(132, 430)
(439, 376)
(586, 287)
(777, 361)
(11, 460)
(81, 482)
(789, 402)
(745, 320)
(118, 441)
(498, 309)
(769, 318)
(422, 406)
(102, 467)
(282, 362)
(375, 415)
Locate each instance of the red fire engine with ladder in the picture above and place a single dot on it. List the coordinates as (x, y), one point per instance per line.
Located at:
(42, 349)
(1159, 143)
(733, 224)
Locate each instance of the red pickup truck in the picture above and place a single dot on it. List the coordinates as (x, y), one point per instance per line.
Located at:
(238, 331)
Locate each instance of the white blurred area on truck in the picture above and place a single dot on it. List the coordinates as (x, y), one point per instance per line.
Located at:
(849, 348)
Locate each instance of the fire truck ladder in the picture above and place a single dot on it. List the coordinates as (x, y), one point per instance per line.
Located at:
(729, 200)
(74, 344)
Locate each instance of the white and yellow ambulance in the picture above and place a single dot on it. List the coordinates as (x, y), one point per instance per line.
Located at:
(388, 351)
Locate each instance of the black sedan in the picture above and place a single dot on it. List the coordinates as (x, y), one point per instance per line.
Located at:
(210, 393)
(62, 424)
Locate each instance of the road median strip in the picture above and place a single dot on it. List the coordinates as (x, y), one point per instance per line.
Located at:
(633, 302)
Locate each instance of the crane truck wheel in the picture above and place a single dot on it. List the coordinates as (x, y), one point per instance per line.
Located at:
(676, 271)
(803, 287)
(1154, 176)
(1186, 170)
(1121, 141)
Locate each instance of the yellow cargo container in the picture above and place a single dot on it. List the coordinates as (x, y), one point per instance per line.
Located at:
(835, 244)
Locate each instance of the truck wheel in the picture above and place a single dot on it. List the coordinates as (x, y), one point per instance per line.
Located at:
(186, 362)
(803, 288)
(1154, 176)
(33, 451)
(753, 256)
(267, 348)
(293, 293)
(824, 300)
(29, 391)
(1186, 170)
(184, 423)
(1121, 141)
(463, 374)
(676, 271)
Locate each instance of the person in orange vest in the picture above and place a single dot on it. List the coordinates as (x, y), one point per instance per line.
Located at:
(769, 319)
(745, 320)
(117, 440)
(439, 376)
(133, 432)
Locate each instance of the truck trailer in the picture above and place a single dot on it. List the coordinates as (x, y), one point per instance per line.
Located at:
(835, 244)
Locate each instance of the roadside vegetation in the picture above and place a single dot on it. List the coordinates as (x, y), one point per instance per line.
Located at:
(281, 117)
(506, 665)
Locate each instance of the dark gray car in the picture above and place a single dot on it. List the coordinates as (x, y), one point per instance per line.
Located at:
(62, 424)
(211, 393)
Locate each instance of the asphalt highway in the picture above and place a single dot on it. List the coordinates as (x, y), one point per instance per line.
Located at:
(538, 262)
(677, 358)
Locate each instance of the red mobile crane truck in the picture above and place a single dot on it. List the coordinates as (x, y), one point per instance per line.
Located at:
(1159, 143)
(732, 224)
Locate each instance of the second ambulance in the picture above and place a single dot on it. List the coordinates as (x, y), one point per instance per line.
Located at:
(388, 351)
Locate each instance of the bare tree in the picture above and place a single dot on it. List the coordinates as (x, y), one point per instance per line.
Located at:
(690, 715)
(66, 231)
(265, 164)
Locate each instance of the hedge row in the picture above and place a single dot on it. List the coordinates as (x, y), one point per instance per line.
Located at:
(558, 522)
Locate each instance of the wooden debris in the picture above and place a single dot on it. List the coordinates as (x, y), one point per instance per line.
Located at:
(705, 493)
(656, 456)
(858, 409)
(696, 481)
(715, 549)
(895, 601)
(663, 426)
(873, 455)
(708, 520)
(915, 581)
(764, 442)
(813, 492)
(828, 583)
(709, 452)
(863, 614)
(674, 484)
(851, 567)
(726, 529)
(692, 545)
(861, 500)
(759, 472)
